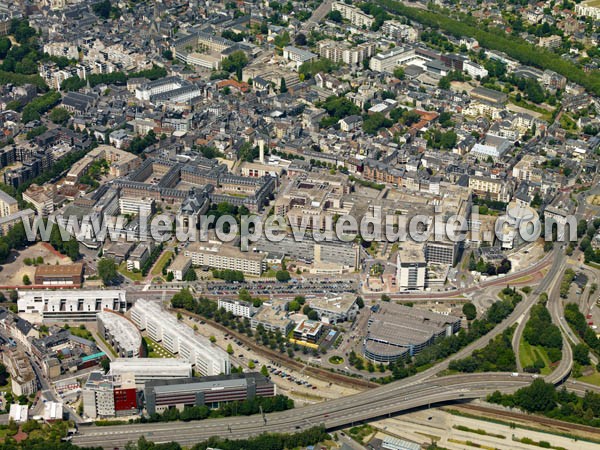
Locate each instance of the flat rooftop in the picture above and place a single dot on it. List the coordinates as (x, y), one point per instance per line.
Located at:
(67, 270)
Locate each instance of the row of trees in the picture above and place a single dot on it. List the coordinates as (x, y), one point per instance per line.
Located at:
(497, 39)
(566, 281)
(578, 323)
(239, 408)
(228, 274)
(542, 397)
(40, 105)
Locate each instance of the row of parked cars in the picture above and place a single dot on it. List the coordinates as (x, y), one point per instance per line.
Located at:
(282, 374)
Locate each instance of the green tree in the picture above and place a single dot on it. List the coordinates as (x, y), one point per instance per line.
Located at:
(229, 349)
(264, 371)
(59, 116)
(190, 275)
(282, 86)
(282, 276)
(335, 16)
(26, 280)
(102, 9)
(237, 60)
(360, 302)
(107, 270)
(469, 311)
(5, 45)
(399, 73)
(581, 354)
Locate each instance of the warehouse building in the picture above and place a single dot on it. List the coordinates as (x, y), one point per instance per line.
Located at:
(65, 275)
(396, 331)
(209, 391)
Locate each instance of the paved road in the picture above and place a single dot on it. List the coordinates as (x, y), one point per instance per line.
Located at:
(549, 286)
(383, 401)
(421, 390)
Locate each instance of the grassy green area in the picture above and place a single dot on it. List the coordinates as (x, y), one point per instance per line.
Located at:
(336, 359)
(529, 353)
(133, 276)
(158, 267)
(269, 273)
(82, 333)
(478, 431)
(156, 350)
(591, 379)
(361, 432)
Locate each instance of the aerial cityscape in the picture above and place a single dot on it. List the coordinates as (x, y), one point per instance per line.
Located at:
(316, 224)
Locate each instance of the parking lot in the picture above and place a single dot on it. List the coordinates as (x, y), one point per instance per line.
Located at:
(303, 388)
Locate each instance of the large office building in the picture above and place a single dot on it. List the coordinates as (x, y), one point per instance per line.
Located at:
(308, 331)
(412, 267)
(106, 396)
(8, 222)
(119, 332)
(402, 56)
(209, 391)
(179, 339)
(70, 305)
(151, 369)
(442, 252)
(217, 255)
(339, 308)
(397, 331)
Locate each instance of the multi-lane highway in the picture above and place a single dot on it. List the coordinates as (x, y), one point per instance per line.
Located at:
(390, 399)
(420, 390)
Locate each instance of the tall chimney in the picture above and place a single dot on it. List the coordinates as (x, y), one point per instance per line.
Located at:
(261, 150)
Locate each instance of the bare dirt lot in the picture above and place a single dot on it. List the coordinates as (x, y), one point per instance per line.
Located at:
(11, 273)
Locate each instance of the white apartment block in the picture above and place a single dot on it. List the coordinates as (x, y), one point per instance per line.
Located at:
(69, 305)
(585, 9)
(475, 70)
(354, 15)
(8, 205)
(179, 267)
(238, 308)
(339, 52)
(298, 55)
(397, 30)
(179, 339)
(65, 49)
